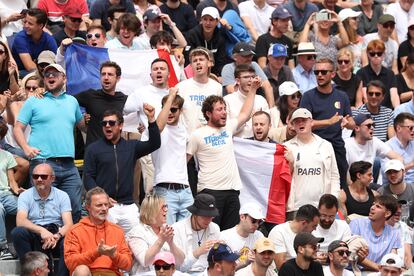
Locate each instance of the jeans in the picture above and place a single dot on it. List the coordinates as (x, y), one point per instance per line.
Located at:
(8, 205)
(67, 179)
(178, 201)
(25, 241)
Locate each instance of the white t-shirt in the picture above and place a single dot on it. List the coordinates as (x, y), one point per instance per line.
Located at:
(368, 152)
(213, 149)
(247, 271)
(283, 236)
(260, 18)
(135, 104)
(170, 160)
(327, 272)
(195, 93)
(234, 102)
(238, 243)
(339, 230)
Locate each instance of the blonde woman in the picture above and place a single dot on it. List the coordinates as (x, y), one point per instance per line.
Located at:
(152, 235)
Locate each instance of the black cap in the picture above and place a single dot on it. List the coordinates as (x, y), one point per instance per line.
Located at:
(304, 238)
(361, 117)
(204, 205)
(335, 244)
(244, 49)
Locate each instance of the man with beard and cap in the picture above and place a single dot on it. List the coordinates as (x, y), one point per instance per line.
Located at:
(338, 255)
(94, 244)
(306, 247)
(52, 120)
(197, 234)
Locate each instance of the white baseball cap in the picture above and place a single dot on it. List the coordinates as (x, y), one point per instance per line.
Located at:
(212, 11)
(288, 88)
(301, 113)
(392, 260)
(394, 164)
(347, 13)
(252, 209)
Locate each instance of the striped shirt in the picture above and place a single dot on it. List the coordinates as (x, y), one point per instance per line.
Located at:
(383, 119)
(378, 245)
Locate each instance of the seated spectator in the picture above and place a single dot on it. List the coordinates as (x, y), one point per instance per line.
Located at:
(386, 25)
(208, 34)
(57, 10)
(329, 227)
(34, 263)
(256, 16)
(8, 71)
(221, 260)
(403, 142)
(376, 71)
(99, 11)
(370, 13)
(363, 146)
(391, 264)
(283, 235)
(114, 13)
(313, 164)
(289, 98)
(404, 11)
(405, 78)
(326, 44)
(406, 46)
(276, 71)
(198, 234)
(72, 19)
(242, 237)
(382, 238)
(304, 264)
(330, 6)
(127, 28)
(164, 264)
(43, 218)
(280, 19)
(152, 235)
(181, 13)
(30, 42)
(303, 72)
(89, 248)
(346, 80)
(357, 198)
(300, 11)
(338, 256)
(262, 264)
(405, 107)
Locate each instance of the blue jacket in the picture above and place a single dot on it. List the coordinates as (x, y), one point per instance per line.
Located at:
(111, 166)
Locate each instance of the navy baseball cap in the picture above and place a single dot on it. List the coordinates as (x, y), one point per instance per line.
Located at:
(221, 252)
(280, 12)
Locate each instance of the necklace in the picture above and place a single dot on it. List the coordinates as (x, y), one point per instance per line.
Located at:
(198, 236)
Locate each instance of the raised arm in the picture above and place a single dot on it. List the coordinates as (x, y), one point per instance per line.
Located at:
(247, 107)
(163, 116)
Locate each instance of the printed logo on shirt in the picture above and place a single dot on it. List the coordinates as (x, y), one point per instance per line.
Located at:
(197, 99)
(244, 254)
(309, 171)
(337, 105)
(216, 140)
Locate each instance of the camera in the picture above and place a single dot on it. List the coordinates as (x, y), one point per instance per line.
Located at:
(322, 16)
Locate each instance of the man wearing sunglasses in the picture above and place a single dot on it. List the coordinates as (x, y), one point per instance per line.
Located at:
(72, 19)
(338, 255)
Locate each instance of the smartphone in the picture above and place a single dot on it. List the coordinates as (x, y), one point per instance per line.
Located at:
(322, 16)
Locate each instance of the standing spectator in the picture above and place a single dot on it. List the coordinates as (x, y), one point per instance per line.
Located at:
(256, 16)
(404, 11)
(72, 19)
(35, 262)
(88, 247)
(303, 72)
(371, 12)
(331, 112)
(304, 264)
(279, 26)
(182, 14)
(43, 218)
(289, 98)
(54, 147)
(30, 42)
(261, 124)
(99, 11)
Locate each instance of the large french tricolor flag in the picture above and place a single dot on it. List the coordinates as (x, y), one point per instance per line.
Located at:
(83, 63)
(265, 175)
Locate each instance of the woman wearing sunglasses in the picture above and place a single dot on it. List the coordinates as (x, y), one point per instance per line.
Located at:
(346, 80)
(289, 98)
(405, 80)
(152, 235)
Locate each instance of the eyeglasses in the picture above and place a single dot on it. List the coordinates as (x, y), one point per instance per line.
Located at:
(31, 88)
(369, 125)
(378, 54)
(296, 96)
(343, 61)
(411, 128)
(2, 52)
(164, 267)
(343, 252)
(174, 109)
(42, 176)
(388, 25)
(323, 72)
(51, 74)
(89, 36)
(248, 77)
(310, 57)
(77, 20)
(164, 207)
(377, 94)
(110, 122)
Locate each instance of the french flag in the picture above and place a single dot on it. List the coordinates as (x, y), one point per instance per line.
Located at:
(265, 174)
(83, 63)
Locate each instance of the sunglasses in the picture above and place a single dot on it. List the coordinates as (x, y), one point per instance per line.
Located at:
(51, 74)
(31, 88)
(296, 96)
(110, 122)
(42, 176)
(369, 125)
(254, 221)
(343, 61)
(377, 94)
(311, 57)
(411, 128)
(378, 54)
(2, 52)
(164, 267)
(388, 25)
(323, 72)
(89, 36)
(77, 20)
(174, 109)
(343, 252)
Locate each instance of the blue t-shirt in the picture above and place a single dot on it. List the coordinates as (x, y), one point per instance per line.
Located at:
(24, 44)
(46, 211)
(324, 106)
(52, 120)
